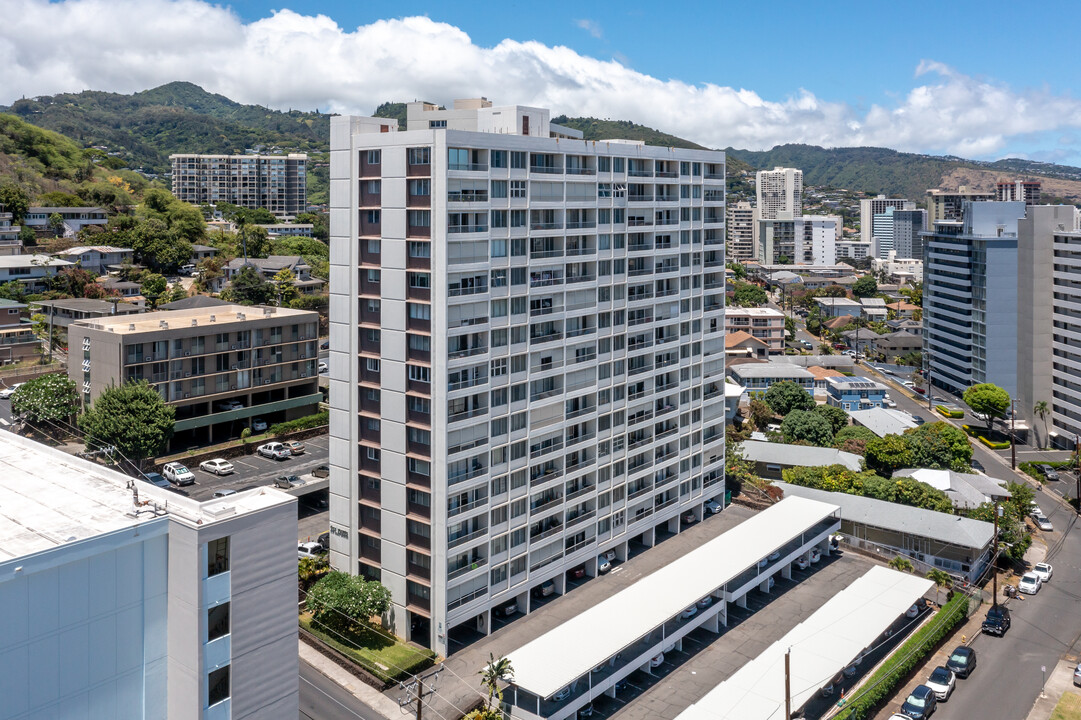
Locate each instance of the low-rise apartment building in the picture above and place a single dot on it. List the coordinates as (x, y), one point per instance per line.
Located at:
(74, 218)
(766, 324)
(17, 338)
(268, 267)
(97, 258)
(836, 307)
(220, 367)
(62, 313)
(32, 271)
(9, 235)
(855, 393)
(759, 377)
(124, 600)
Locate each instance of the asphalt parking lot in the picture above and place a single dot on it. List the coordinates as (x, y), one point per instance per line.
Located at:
(257, 471)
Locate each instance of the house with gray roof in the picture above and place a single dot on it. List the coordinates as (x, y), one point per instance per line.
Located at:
(965, 490)
(758, 377)
(961, 546)
(771, 458)
(68, 310)
(270, 266)
(883, 421)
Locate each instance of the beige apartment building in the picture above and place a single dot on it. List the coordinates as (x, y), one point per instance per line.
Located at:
(766, 324)
(275, 182)
(220, 367)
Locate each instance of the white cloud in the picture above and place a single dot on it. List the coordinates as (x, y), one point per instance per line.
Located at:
(308, 61)
(591, 27)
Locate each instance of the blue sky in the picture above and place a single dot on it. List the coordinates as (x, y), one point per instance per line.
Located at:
(978, 79)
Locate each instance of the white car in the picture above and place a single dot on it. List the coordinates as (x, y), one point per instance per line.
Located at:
(689, 613)
(1030, 583)
(603, 564)
(816, 555)
(942, 682)
(258, 425)
(1044, 570)
(177, 474)
(705, 602)
(9, 391)
(1043, 523)
(912, 611)
(309, 550)
(775, 555)
(273, 450)
(712, 507)
(218, 466)
(802, 563)
(657, 660)
(323, 367)
(890, 403)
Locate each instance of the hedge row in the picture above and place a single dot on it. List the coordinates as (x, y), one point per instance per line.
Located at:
(880, 685)
(994, 444)
(948, 412)
(302, 423)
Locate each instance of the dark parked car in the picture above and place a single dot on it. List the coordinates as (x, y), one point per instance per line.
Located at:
(321, 472)
(156, 479)
(576, 573)
(1048, 472)
(997, 621)
(324, 540)
(921, 704)
(962, 661)
(325, 345)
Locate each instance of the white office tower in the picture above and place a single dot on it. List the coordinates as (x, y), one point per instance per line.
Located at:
(124, 600)
(527, 354)
(739, 224)
(970, 302)
(869, 207)
(780, 193)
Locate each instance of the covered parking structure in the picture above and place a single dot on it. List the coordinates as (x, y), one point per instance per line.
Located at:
(835, 637)
(564, 669)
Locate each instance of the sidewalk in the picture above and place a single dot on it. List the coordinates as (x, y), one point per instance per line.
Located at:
(1059, 682)
(360, 690)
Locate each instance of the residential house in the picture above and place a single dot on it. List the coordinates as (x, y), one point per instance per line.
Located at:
(288, 230)
(855, 393)
(66, 311)
(17, 338)
(897, 344)
(269, 267)
(821, 375)
(741, 344)
(915, 327)
(33, 271)
(837, 306)
(766, 324)
(959, 545)
(9, 235)
(883, 421)
(758, 377)
(75, 218)
(861, 340)
(874, 308)
(201, 252)
(903, 310)
(124, 288)
(97, 259)
(771, 458)
(965, 490)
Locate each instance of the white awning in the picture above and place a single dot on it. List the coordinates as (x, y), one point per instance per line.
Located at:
(547, 664)
(821, 647)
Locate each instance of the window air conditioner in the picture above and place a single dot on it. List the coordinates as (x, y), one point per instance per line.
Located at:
(147, 358)
(232, 387)
(233, 347)
(187, 353)
(234, 367)
(266, 382)
(188, 374)
(187, 395)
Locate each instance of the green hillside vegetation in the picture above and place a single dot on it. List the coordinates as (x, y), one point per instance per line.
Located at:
(594, 129)
(393, 111)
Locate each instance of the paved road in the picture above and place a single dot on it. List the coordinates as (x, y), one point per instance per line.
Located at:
(323, 699)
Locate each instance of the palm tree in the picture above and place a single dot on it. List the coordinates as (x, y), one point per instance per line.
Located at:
(902, 564)
(1041, 410)
(941, 578)
(492, 673)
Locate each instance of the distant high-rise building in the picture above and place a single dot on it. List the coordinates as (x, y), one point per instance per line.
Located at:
(277, 183)
(869, 207)
(898, 231)
(970, 306)
(804, 240)
(526, 355)
(1026, 191)
(780, 193)
(947, 204)
(739, 227)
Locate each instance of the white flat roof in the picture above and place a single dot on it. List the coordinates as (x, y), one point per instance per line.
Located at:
(49, 498)
(543, 666)
(821, 646)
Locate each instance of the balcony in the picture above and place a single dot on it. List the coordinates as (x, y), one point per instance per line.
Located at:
(478, 228)
(467, 568)
(468, 167)
(545, 226)
(462, 539)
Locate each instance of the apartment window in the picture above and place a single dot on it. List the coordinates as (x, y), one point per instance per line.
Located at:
(518, 421)
(373, 187)
(499, 456)
(420, 280)
(499, 427)
(499, 158)
(517, 247)
(517, 218)
(372, 454)
(218, 682)
(217, 556)
(499, 188)
(517, 188)
(499, 247)
(499, 367)
(604, 164)
(499, 397)
(373, 246)
(420, 405)
(436, 124)
(374, 157)
(419, 249)
(421, 343)
(517, 276)
(499, 278)
(499, 218)
(419, 373)
(419, 311)
(420, 187)
(499, 308)
(517, 451)
(519, 507)
(617, 164)
(517, 160)
(373, 424)
(418, 466)
(499, 338)
(421, 437)
(419, 218)
(217, 622)
(372, 364)
(419, 156)
(373, 275)
(371, 217)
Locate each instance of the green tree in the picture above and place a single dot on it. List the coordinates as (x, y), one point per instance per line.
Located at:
(760, 414)
(806, 426)
(310, 569)
(987, 402)
(318, 221)
(837, 418)
(941, 579)
(853, 439)
(13, 290)
(283, 284)
(789, 328)
(1041, 410)
(15, 201)
(748, 295)
(56, 223)
(939, 445)
(27, 236)
(133, 418)
(783, 259)
(52, 398)
(738, 471)
(341, 601)
(785, 396)
(496, 671)
(249, 288)
(738, 271)
(902, 564)
(887, 454)
(1013, 534)
(866, 286)
(254, 241)
(153, 287)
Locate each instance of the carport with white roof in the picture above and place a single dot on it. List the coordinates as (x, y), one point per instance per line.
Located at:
(585, 656)
(820, 648)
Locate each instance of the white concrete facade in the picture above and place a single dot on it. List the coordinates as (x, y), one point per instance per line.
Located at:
(123, 600)
(779, 193)
(740, 227)
(869, 207)
(521, 328)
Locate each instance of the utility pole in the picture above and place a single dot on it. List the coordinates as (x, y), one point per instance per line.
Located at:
(994, 563)
(419, 688)
(927, 378)
(787, 684)
(1013, 433)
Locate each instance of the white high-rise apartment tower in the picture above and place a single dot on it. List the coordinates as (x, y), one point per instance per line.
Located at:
(869, 207)
(740, 228)
(527, 354)
(780, 193)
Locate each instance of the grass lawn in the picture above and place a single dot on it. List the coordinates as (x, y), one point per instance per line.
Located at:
(1068, 708)
(375, 652)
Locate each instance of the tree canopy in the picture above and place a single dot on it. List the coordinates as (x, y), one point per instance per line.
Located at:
(785, 396)
(748, 295)
(835, 416)
(807, 426)
(939, 445)
(987, 402)
(15, 200)
(886, 454)
(866, 286)
(249, 288)
(152, 288)
(340, 600)
(52, 398)
(853, 439)
(133, 418)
